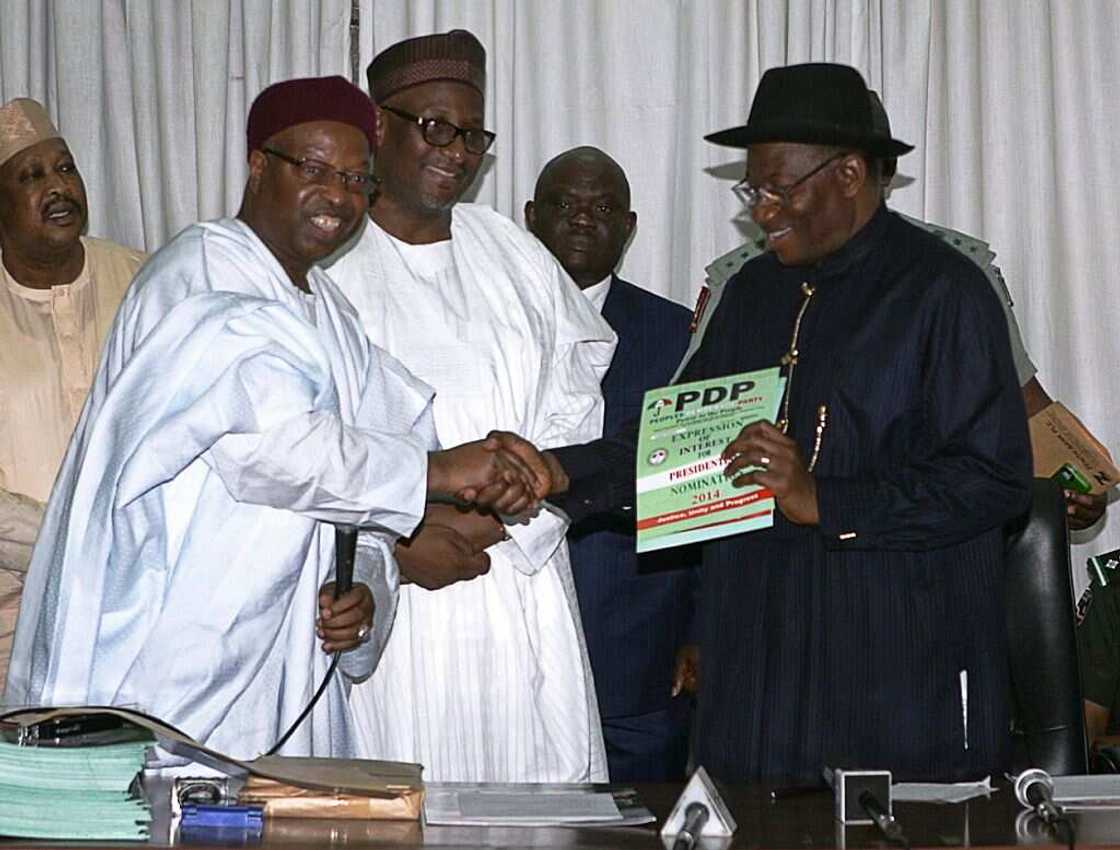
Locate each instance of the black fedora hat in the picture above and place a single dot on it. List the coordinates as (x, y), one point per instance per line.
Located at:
(817, 103)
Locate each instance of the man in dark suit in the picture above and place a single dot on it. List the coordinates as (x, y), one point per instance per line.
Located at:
(635, 610)
(868, 625)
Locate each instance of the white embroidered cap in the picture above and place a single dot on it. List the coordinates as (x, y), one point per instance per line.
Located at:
(23, 123)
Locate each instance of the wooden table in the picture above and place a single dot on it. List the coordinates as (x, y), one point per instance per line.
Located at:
(802, 822)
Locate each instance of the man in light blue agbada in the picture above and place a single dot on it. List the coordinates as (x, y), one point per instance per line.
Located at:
(238, 411)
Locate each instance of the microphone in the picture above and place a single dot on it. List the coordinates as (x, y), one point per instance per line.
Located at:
(698, 815)
(1035, 789)
(883, 819)
(345, 549)
(695, 816)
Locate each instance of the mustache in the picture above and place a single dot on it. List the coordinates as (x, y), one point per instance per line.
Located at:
(581, 237)
(458, 168)
(61, 203)
(340, 212)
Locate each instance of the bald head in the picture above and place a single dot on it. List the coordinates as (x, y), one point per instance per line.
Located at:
(581, 211)
(585, 161)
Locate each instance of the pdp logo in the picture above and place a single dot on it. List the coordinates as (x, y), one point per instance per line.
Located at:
(657, 405)
(711, 395)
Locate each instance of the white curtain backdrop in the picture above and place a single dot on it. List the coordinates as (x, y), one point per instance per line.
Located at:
(1013, 106)
(152, 95)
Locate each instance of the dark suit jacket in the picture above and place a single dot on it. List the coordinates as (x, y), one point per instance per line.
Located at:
(635, 610)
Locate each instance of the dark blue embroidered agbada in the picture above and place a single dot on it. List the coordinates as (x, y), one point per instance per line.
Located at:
(876, 640)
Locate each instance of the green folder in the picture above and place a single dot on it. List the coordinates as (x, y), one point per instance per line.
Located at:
(683, 496)
(75, 793)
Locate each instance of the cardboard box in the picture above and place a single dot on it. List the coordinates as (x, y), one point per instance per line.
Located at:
(1064, 448)
(281, 800)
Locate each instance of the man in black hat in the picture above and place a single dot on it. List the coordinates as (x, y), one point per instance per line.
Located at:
(1083, 509)
(866, 628)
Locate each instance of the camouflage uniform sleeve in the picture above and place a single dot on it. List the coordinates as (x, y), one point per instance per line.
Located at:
(980, 253)
(718, 272)
(1024, 367)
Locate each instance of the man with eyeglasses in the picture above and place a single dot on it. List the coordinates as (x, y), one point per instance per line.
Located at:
(185, 562)
(866, 628)
(486, 676)
(1083, 510)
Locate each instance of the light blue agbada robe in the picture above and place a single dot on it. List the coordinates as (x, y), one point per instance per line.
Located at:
(232, 419)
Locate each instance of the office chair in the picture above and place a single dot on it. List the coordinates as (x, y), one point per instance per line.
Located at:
(1048, 725)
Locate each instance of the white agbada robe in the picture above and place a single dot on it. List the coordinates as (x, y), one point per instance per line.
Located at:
(489, 679)
(232, 418)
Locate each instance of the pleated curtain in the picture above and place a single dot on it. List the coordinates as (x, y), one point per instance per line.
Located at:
(1013, 106)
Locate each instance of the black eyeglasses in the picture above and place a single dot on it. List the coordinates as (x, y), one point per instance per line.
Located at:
(439, 133)
(753, 196)
(317, 171)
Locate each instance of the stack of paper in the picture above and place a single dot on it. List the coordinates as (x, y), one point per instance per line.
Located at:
(73, 792)
(498, 804)
(940, 792)
(1087, 792)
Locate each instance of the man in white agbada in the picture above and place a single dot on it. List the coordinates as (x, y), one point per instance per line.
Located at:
(238, 410)
(484, 678)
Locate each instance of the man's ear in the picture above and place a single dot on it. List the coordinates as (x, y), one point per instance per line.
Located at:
(531, 217)
(853, 173)
(258, 159)
(4, 207)
(631, 223)
(378, 128)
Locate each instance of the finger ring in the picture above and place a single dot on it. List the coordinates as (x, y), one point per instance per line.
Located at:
(764, 461)
(363, 631)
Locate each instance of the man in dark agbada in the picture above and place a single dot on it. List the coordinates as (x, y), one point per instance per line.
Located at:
(866, 628)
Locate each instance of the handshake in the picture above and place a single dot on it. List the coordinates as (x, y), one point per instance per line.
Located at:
(502, 473)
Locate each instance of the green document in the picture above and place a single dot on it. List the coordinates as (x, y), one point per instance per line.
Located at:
(682, 494)
(73, 793)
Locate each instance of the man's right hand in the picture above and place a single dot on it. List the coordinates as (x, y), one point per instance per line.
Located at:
(436, 556)
(544, 464)
(504, 473)
(1084, 509)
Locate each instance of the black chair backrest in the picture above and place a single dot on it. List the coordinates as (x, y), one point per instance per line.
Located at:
(1045, 679)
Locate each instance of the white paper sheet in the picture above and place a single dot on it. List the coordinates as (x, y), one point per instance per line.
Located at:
(940, 792)
(494, 804)
(1097, 790)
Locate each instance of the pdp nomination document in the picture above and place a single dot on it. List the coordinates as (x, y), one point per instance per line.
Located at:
(683, 496)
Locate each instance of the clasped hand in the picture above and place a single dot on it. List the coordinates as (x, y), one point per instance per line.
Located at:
(504, 473)
(781, 469)
(449, 546)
